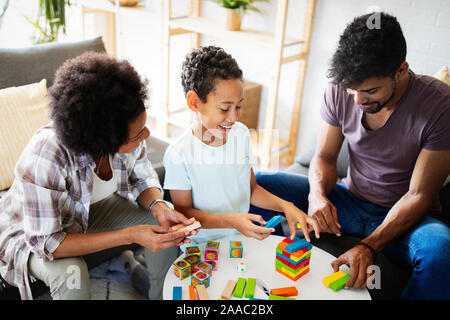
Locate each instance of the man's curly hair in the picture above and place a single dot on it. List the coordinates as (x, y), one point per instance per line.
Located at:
(203, 66)
(93, 99)
(368, 50)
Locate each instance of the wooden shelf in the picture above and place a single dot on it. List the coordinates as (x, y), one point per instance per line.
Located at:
(92, 6)
(211, 28)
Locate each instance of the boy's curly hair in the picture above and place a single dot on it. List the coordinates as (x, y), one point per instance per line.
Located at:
(365, 52)
(203, 66)
(93, 99)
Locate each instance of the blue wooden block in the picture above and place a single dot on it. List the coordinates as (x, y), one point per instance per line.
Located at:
(273, 222)
(297, 245)
(177, 293)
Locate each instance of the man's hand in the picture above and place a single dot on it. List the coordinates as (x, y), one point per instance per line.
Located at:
(321, 209)
(359, 258)
(294, 215)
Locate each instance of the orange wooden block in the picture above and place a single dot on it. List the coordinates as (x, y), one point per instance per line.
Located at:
(285, 292)
(192, 293)
(292, 278)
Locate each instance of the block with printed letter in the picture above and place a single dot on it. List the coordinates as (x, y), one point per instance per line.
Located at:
(292, 258)
(203, 266)
(213, 264)
(200, 277)
(193, 250)
(182, 269)
(193, 260)
(212, 250)
(236, 249)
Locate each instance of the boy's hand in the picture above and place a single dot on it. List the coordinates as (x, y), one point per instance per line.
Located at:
(294, 215)
(244, 223)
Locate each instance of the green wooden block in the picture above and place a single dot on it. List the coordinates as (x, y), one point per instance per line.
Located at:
(239, 288)
(274, 297)
(339, 283)
(250, 289)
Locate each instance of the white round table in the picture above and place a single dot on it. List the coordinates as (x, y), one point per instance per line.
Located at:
(259, 257)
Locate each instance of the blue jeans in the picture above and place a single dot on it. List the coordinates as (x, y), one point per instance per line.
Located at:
(425, 247)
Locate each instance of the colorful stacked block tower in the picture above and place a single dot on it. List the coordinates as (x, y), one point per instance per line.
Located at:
(292, 258)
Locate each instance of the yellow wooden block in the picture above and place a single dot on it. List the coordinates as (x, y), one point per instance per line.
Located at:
(293, 275)
(294, 256)
(333, 277)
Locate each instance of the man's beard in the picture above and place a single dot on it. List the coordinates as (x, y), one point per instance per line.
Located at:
(379, 105)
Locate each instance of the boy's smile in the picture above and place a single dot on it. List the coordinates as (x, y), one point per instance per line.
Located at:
(215, 117)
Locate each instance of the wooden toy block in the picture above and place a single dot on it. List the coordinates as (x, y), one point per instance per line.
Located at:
(212, 245)
(193, 260)
(229, 288)
(182, 269)
(213, 264)
(273, 222)
(333, 277)
(290, 277)
(239, 289)
(192, 293)
(200, 277)
(177, 293)
(298, 245)
(250, 288)
(204, 266)
(211, 254)
(193, 250)
(202, 293)
(182, 227)
(338, 284)
(274, 297)
(285, 292)
(236, 249)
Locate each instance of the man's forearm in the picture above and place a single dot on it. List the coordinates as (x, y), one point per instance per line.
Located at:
(408, 211)
(322, 176)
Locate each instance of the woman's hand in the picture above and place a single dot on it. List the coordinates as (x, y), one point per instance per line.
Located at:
(157, 238)
(294, 215)
(324, 211)
(168, 217)
(244, 223)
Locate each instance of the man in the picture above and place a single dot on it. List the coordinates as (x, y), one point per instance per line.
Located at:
(397, 127)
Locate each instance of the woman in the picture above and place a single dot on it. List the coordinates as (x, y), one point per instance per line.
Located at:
(74, 180)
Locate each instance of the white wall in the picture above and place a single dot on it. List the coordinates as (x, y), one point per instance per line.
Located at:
(426, 25)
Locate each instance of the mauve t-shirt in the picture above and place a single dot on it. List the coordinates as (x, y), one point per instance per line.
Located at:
(381, 162)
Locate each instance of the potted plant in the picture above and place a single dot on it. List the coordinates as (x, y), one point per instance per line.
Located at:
(3, 7)
(50, 20)
(235, 10)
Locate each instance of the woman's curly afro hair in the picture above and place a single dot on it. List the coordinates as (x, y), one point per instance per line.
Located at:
(367, 49)
(203, 66)
(93, 99)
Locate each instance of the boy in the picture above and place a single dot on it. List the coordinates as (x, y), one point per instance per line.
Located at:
(209, 167)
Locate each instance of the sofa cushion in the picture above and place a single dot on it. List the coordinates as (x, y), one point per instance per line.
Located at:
(28, 65)
(25, 109)
(305, 157)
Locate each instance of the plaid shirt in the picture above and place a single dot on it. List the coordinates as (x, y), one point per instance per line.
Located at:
(50, 198)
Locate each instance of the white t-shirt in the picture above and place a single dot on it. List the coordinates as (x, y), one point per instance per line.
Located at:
(103, 188)
(218, 177)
